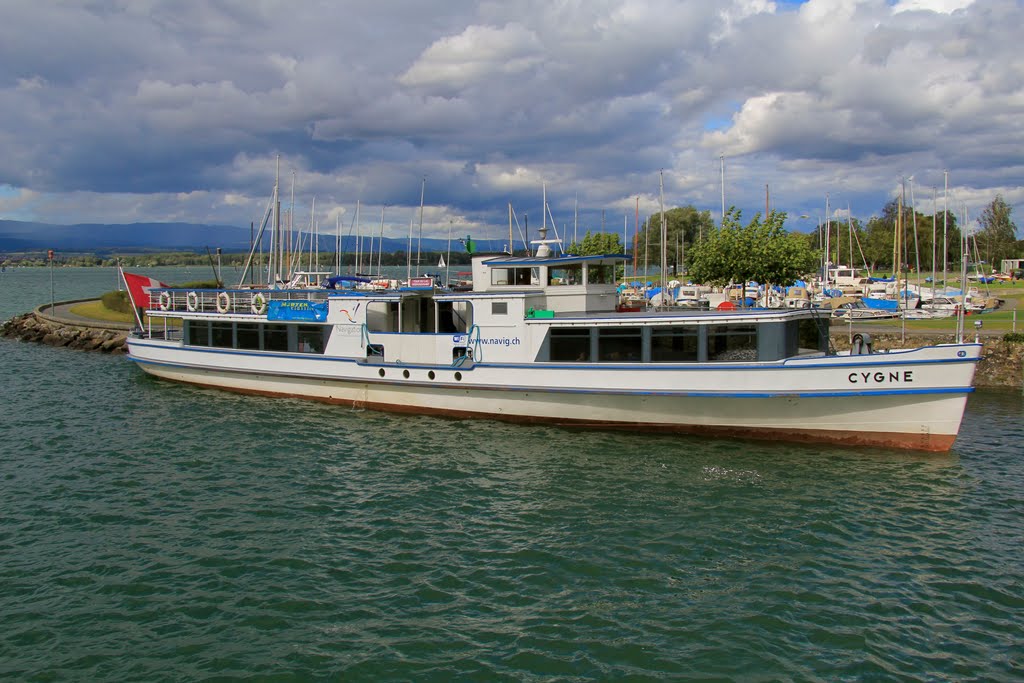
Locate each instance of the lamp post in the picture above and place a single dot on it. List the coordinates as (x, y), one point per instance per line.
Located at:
(49, 256)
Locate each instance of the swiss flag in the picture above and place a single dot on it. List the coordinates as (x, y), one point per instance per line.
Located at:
(138, 289)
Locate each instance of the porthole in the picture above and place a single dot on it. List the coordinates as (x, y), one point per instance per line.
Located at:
(405, 374)
(381, 372)
(430, 374)
(458, 376)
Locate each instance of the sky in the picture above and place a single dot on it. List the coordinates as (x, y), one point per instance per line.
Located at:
(121, 111)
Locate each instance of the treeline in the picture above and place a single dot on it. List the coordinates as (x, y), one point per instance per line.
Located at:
(326, 260)
(927, 239)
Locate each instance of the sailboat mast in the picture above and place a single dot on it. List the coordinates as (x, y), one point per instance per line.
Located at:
(359, 242)
(419, 243)
(448, 263)
(664, 239)
(290, 242)
(276, 236)
(945, 223)
(380, 242)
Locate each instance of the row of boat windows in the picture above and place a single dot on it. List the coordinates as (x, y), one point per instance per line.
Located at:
(692, 343)
(257, 336)
(570, 274)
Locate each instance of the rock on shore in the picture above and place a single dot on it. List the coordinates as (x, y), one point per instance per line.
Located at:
(29, 327)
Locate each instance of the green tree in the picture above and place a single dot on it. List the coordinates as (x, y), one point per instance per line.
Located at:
(997, 238)
(595, 244)
(685, 226)
(878, 238)
(761, 251)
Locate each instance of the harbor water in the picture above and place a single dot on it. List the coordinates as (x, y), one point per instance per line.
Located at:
(157, 531)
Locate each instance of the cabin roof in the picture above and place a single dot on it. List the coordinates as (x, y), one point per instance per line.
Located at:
(549, 261)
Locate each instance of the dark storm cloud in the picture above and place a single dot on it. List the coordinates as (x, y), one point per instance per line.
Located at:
(149, 110)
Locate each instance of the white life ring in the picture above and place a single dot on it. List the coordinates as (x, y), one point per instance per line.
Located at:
(259, 304)
(165, 301)
(192, 301)
(223, 302)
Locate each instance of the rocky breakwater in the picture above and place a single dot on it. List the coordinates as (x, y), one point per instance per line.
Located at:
(32, 327)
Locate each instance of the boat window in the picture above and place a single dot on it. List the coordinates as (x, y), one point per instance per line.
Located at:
(312, 338)
(571, 274)
(199, 332)
(811, 335)
(221, 335)
(275, 338)
(600, 274)
(674, 344)
(570, 344)
(736, 342)
(248, 335)
(514, 276)
(382, 316)
(616, 344)
(499, 308)
(453, 316)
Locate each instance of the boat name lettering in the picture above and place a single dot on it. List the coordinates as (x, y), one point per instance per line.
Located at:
(890, 377)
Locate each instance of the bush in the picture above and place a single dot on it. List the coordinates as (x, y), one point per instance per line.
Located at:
(117, 301)
(1014, 337)
(198, 284)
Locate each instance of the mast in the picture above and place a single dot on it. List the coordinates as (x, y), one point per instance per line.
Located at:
(511, 250)
(664, 239)
(898, 243)
(419, 242)
(913, 217)
(312, 234)
(276, 259)
(945, 223)
(636, 235)
(291, 230)
(935, 220)
(828, 241)
(722, 159)
(380, 241)
(448, 263)
(575, 219)
(408, 258)
(359, 243)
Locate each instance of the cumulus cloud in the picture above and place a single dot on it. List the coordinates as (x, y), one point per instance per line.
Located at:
(160, 110)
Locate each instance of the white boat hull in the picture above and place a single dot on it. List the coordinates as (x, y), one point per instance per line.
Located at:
(913, 399)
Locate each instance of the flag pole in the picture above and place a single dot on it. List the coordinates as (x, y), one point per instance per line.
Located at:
(134, 308)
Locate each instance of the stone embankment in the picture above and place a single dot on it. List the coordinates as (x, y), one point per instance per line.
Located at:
(33, 327)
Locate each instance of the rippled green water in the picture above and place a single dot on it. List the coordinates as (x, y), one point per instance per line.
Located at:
(153, 531)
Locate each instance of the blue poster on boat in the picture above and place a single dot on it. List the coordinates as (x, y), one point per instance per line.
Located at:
(297, 310)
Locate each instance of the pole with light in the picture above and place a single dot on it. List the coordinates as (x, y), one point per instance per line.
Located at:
(49, 256)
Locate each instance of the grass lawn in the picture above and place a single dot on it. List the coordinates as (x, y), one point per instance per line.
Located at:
(97, 311)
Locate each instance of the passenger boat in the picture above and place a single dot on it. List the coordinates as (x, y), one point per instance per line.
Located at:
(523, 345)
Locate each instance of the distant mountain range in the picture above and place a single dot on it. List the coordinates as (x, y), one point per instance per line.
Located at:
(102, 239)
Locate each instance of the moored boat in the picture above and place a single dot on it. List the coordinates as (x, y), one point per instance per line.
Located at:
(524, 345)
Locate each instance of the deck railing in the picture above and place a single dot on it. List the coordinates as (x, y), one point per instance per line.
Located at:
(227, 301)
